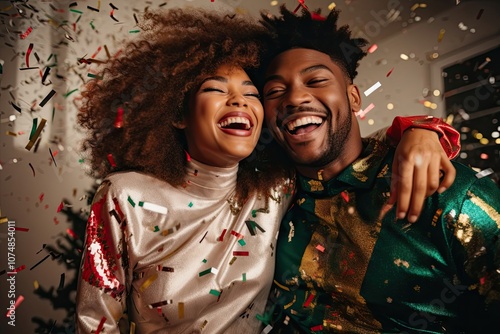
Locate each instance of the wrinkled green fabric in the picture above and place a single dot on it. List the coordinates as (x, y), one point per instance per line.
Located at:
(345, 264)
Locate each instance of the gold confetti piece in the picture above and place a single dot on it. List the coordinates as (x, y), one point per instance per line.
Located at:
(441, 34)
(36, 285)
(3, 220)
(132, 327)
(148, 282)
(37, 133)
(180, 309)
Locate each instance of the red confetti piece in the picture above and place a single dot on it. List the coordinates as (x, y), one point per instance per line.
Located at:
(101, 325)
(240, 253)
(18, 269)
(97, 52)
(320, 248)
(22, 229)
(236, 234)
(119, 118)
(345, 196)
(60, 207)
(28, 52)
(26, 33)
(308, 301)
(317, 328)
(41, 197)
(389, 73)
(301, 4)
(111, 160)
(72, 233)
(372, 48)
(221, 237)
(317, 17)
(19, 300)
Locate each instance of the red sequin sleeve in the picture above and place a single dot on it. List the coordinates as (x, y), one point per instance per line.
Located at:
(448, 136)
(101, 299)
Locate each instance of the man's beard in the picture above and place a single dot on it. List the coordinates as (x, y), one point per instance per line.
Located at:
(335, 143)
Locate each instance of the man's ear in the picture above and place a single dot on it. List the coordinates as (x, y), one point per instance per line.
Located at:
(179, 124)
(354, 97)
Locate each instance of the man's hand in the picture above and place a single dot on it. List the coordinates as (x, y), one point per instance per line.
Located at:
(419, 163)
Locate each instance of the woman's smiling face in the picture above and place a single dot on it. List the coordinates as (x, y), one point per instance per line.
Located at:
(225, 118)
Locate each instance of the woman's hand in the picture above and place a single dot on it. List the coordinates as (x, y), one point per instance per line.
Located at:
(420, 168)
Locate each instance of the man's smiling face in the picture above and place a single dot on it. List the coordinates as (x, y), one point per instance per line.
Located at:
(309, 106)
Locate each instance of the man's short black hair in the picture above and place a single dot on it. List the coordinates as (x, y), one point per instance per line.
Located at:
(312, 31)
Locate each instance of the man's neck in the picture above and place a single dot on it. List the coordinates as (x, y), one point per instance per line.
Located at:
(337, 166)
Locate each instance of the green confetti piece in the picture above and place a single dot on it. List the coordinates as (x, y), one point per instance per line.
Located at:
(76, 11)
(204, 261)
(215, 292)
(69, 93)
(205, 272)
(190, 204)
(92, 24)
(134, 31)
(244, 277)
(81, 160)
(254, 213)
(242, 242)
(33, 128)
(156, 227)
(129, 199)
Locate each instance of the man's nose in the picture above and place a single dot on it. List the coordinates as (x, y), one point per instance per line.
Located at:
(295, 97)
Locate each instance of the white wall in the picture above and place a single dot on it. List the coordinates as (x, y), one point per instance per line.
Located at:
(21, 189)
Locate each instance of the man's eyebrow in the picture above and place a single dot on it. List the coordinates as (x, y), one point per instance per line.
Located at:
(303, 71)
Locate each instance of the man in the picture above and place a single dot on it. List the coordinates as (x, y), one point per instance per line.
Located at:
(345, 262)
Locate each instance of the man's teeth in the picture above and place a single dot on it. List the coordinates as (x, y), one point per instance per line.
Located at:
(232, 120)
(292, 125)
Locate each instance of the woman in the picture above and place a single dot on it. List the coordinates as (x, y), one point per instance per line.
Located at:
(182, 230)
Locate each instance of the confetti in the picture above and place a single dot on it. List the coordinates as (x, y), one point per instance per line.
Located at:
(153, 207)
(60, 207)
(308, 300)
(111, 160)
(32, 169)
(208, 271)
(47, 98)
(119, 118)
(484, 173)
(372, 48)
(215, 292)
(320, 248)
(100, 326)
(28, 52)
(372, 88)
(36, 134)
(362, 112)
(251, 225)
(480, 13)
(240, 253)
(61, 282)
(441, 34)
(159, 304)
(148, 282)
(22, 229)
(236, 234)
(52, 156)
(221, 237)
(26, 33)
(19, 300)
(486, 61)
(389, 73)
(180, 310)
